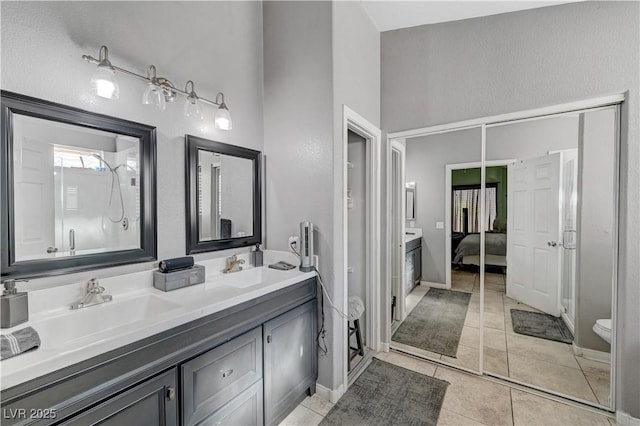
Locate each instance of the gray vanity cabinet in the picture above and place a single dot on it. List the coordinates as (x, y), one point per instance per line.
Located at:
(245, 409)
(216, 377)
(247, 365)
(153, 403)
(413, 264)
(290, 360)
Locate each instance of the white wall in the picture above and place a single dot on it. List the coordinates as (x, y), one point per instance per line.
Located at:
(216, 44)
(515, 61)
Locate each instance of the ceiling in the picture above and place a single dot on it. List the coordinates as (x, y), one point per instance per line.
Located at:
(394, 14)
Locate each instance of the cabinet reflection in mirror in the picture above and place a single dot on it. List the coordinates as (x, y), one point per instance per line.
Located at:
(78, 195)
(548, 313)
(223, 204)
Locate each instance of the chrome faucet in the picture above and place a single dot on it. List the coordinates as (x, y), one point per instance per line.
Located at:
(233, 264)
(94, 295)
(72, 242)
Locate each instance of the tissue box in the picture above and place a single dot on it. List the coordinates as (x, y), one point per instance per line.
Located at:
(178, 279)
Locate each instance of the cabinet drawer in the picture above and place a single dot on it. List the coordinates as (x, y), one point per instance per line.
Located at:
(149, 403)
(244, 410)
(216, 377)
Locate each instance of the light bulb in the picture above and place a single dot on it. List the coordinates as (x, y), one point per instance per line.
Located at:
(223, 118)
(192, 107)
(154, 95)
(104, 83)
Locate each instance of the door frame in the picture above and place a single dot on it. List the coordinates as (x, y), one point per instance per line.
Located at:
(522, 116)
(396, 146)
(352, 121)
(448, 187)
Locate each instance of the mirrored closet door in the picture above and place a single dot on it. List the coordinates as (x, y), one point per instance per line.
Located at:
(437, 304)
(550, 238)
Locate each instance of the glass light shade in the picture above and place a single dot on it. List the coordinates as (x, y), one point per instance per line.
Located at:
(104, 83)
(192, 108)
(153, 95)
(223, 118)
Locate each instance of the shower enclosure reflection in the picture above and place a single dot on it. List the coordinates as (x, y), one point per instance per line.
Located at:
(76, 190)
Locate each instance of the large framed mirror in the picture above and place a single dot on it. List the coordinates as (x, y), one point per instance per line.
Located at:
(436, 311)
(550, 252)
(78, 189)
(223, 186)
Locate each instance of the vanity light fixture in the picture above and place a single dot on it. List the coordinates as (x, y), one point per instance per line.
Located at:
(158, 92)
(192, 106)
(103, 81)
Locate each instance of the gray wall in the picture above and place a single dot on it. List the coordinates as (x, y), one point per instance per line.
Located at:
(356, 221)
(298, 138)
(478, 67)
(428, 156)
(596, 185)
(426, 162)
(42, 47)
(318, 56)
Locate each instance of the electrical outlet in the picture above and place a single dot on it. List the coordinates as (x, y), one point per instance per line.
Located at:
(293, 243)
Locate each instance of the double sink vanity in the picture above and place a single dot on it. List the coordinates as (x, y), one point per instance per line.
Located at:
(78, 194)
(239, 349)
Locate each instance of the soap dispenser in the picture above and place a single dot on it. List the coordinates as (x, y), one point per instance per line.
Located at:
(256, 256)
(14, 306)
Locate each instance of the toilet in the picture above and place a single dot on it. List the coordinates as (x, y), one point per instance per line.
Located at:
(602, 328)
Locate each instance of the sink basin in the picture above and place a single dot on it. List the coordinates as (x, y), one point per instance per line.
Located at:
(99, 318)
(242, 279)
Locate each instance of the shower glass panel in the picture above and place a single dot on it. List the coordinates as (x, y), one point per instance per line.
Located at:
(549, 253)
(441, 283)
(76, 190)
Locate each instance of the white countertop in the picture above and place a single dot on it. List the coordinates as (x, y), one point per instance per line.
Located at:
(98, 329)
(411, 234)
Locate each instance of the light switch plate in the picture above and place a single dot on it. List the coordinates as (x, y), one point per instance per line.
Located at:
(439, 225)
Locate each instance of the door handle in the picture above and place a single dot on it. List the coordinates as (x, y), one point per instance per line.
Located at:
(552, 243)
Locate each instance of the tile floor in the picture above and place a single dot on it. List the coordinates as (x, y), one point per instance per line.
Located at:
(548, 364)
(470, 400)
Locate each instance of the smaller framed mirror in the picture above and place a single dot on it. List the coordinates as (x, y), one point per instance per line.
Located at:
(410, 188)
(223, 187)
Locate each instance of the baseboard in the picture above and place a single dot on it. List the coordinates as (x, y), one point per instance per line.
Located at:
(592, 354)
(434, 285)
(624, 419)
(331, 395)
(568, 323)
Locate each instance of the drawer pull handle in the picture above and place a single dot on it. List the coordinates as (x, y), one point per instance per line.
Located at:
(171, 393)
(227, 373)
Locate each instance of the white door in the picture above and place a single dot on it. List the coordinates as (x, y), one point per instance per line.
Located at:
(33, 198)
(532, 232)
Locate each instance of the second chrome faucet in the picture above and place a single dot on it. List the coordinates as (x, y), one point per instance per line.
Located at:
(233, 264)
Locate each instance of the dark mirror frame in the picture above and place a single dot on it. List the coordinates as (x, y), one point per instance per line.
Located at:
(194, 245)
(13, 103)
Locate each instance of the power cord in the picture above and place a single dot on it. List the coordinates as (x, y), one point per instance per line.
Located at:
(322, 332)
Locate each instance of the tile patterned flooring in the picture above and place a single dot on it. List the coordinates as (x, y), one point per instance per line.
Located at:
(472, 400)
(548, 364)
(469, 400)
